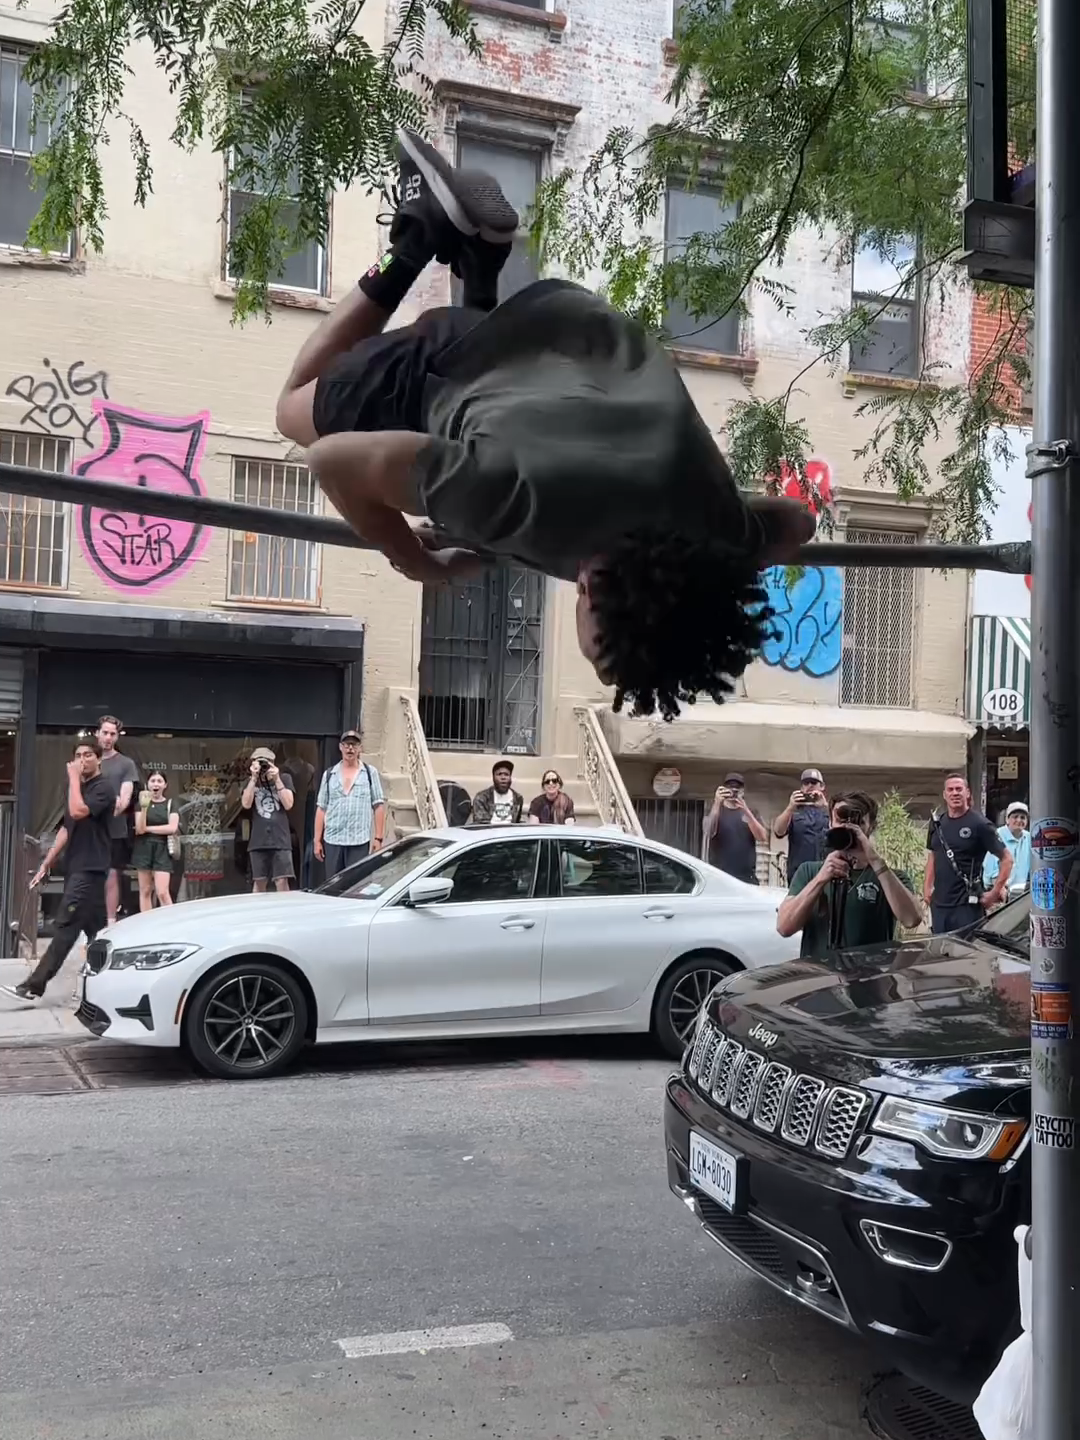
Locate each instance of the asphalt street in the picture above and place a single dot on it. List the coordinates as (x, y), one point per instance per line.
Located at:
(255, 1260)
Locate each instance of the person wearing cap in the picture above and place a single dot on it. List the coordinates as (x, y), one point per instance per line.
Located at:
(269, 796)
(804, 821)
(732, 832)
(350, 812)
(500, 803)
(1016, 839)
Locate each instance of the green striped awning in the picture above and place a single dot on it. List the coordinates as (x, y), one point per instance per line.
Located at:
(999, 672)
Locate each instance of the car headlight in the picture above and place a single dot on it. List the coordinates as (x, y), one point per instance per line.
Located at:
(949, 1134)
(149, 957)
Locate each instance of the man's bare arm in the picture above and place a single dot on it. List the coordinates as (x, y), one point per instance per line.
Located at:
(369, 479)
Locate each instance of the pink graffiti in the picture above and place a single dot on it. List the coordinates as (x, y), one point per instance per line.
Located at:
(133, 552)
(818, 495)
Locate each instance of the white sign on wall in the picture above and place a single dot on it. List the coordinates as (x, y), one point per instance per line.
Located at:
(1007, 594)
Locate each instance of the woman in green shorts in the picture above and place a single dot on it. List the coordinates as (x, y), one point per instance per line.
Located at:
(157, 822)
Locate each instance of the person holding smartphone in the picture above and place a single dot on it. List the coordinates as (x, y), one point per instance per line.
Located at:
(733, 832)
(85, 836)
(804, 821)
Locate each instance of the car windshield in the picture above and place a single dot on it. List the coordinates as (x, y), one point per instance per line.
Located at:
(1009, 926)
(369, 879)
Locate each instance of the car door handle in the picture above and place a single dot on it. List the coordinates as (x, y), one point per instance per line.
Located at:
(517, 922)
(659, 914)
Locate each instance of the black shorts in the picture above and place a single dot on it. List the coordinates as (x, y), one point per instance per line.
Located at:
(379, 384)
(271, 865)
(120, 852)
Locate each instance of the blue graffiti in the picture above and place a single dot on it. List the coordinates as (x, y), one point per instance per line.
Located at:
(807, 633)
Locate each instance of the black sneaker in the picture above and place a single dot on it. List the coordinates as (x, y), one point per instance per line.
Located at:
(20, 992)
(451, 204)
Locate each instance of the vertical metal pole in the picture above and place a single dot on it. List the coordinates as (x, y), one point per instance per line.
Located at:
(1055, 728)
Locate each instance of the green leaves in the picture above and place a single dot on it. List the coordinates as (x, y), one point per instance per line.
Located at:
(290, 93)
(806, 115)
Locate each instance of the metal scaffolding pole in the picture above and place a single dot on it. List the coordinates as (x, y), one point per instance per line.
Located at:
(1011, 559)
(1055, 727)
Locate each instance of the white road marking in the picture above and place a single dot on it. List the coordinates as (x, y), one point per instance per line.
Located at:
(450, 1337)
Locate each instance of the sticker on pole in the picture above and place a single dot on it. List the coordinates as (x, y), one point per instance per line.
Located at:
(1048, 932)
(1054, 838)
(1055, 1132)
(1051, 1012)
(1048, 889)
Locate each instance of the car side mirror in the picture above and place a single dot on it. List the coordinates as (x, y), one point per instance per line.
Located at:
(429, 891)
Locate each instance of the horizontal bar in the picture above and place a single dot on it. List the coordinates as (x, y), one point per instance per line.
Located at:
(1013, 559)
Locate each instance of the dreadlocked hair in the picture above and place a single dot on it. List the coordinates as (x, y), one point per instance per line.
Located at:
(677, 618)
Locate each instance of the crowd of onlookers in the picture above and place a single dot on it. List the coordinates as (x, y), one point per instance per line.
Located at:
(842, 891)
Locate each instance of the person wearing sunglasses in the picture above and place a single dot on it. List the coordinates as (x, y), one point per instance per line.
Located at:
(553, 806)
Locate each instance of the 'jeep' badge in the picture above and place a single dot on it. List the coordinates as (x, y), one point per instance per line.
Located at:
(765, 1037)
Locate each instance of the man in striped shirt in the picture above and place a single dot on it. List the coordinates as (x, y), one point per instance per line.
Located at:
(350, 812)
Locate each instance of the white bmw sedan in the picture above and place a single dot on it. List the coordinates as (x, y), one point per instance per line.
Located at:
(444, 935)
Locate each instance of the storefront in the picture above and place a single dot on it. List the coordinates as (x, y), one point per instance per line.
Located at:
(999, 705)
(195, 692)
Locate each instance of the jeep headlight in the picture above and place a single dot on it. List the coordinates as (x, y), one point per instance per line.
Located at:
(149, 957)
(949, 1134)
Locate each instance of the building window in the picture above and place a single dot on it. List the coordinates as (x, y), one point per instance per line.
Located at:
(891, 344)
(697, 212)
(19, 201)
(517, 169)
(33, 533)
(879, 628)
(268, 567)
(307, 269)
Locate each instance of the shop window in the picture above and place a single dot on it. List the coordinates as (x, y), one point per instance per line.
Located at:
(206, 776)
(879, 627)
(268, 567)
(33, 533)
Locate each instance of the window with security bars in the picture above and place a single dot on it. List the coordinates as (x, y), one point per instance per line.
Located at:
(269, 567)
(879, 627)
(673, 822)
(33, 533)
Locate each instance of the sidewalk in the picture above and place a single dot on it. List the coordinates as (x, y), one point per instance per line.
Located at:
(53, 1017)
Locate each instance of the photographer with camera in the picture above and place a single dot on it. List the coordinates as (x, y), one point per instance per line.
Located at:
(957, 844)
(269, 794)
(804, 821)
(852, 897)
(732, 832)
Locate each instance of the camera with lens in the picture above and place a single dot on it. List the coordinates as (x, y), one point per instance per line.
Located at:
(842, 836)
(264, 766)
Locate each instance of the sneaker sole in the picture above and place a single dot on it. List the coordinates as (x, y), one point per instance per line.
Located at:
(465, 211)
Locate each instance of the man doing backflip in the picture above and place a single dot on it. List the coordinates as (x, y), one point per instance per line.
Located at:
(550, 430)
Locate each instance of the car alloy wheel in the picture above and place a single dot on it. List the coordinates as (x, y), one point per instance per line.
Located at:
(688, 997)
(247, 1021)
(681, 995)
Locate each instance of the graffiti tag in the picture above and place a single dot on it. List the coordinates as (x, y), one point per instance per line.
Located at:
(152, 452)
(62, 404)
(807, 630)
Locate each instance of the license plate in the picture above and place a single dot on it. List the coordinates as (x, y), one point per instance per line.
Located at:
(714, 1171)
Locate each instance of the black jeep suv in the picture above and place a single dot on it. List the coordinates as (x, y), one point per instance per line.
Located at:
(856, 1132)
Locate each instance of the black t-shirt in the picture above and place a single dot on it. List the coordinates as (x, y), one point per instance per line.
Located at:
(118, 770)
(971, 838)
(806, 836)
(270, 828)
(379, 384)
(544, 810)
(88, 849)
(732, 847)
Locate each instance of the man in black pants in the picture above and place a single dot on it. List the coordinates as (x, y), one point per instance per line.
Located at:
(550, 430)
(957, 843)
(91, 801)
